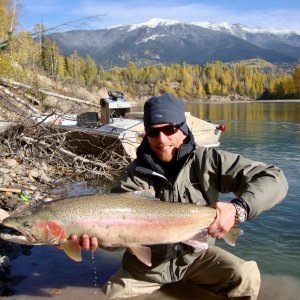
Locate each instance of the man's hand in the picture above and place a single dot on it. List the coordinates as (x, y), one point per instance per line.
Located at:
(86, 242)
(224, 221)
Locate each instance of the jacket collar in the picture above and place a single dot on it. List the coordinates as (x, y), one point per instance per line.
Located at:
(148, 159)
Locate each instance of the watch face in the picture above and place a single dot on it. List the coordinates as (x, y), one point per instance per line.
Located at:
(242, 216)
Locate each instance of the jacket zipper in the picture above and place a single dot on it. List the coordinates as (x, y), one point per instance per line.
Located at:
(149, 172)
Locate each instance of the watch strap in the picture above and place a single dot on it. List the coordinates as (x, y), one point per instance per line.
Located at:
(240, 215)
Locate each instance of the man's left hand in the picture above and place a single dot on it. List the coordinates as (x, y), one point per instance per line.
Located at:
(224, 221)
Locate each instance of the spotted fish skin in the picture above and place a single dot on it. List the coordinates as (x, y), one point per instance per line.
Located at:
(116, 220)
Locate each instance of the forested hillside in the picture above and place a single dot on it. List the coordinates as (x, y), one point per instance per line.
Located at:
(24, 56)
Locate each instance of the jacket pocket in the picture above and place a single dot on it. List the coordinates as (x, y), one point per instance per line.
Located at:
(192, 194)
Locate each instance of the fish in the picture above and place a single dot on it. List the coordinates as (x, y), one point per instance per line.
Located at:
(126, 220)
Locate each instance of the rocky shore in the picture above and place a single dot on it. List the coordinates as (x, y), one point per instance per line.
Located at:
(21, 185)
(29, 174)
(34, 159)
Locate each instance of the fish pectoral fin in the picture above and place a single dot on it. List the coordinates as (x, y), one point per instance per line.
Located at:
(72, 249)
(143, 253)
(231, 236)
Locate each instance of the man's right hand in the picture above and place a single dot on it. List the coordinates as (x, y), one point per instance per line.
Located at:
(86, 242)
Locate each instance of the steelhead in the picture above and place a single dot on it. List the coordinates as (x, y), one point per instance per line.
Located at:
(128, 220)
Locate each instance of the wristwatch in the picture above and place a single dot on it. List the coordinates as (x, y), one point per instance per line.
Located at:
(241, 214)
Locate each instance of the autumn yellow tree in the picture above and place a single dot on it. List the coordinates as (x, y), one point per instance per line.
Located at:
(296, 78)
(61, 66)
(26, 50)
(89, 70)
(8, 17)
(75, 66)
(186, 84)
(200, 91)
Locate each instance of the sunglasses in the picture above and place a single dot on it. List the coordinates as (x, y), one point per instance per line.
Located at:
(166, 130)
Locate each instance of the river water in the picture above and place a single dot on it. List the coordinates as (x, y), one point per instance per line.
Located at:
(263, 131)
(268, 132)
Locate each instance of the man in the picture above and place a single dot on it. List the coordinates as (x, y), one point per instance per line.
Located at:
(177, 170)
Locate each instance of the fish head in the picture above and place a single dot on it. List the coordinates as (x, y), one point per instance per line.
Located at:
(34, 227)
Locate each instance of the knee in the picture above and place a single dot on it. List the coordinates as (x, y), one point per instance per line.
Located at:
(248, 272)
(243, 268)
(245, 280)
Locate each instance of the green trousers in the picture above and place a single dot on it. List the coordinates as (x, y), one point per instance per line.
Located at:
(216, 271)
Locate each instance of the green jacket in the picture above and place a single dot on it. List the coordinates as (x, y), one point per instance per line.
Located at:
(205, 174)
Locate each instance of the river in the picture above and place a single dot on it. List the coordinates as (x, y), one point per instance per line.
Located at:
(263, 131)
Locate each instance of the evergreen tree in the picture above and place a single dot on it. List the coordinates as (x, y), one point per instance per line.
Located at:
(50, 56)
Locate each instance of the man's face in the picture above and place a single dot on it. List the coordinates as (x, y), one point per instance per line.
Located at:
(165, 145)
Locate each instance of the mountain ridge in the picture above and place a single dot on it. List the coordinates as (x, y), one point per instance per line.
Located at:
(170, 41)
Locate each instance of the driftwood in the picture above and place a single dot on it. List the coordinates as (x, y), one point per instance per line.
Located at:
(31, 142)
(19, 100)
(66, 152)
(5, 82)
(36, 143)
(10, 190)
(18, 84)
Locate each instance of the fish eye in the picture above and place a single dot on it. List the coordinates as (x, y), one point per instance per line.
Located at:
(27, 224)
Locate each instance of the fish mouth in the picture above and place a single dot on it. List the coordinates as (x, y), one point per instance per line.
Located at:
(17, 236)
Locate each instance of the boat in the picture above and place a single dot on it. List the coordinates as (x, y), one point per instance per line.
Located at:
(118, 128)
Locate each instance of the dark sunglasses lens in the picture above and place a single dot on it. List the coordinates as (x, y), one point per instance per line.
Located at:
(152, 132)
(167, 130)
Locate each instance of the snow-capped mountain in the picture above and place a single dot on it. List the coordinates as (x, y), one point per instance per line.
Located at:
(171, 41)
(262, 37)
(236, 29)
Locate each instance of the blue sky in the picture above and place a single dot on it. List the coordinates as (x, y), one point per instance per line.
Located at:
(277, 14)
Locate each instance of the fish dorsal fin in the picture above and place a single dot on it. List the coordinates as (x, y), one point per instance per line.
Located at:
(72, 249)
(231, 236)
(143, 253)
